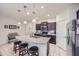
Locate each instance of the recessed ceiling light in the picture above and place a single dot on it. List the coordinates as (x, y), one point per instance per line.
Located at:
(19, 23)
(28, 13)
(42, 6)
(25, 22)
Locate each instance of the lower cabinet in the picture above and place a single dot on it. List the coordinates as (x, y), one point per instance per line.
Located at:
(53, 39)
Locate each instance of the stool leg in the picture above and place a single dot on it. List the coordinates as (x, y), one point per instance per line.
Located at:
(27, 51)
(23, 51)
(14, 48)
(20, 52)
(33, 53)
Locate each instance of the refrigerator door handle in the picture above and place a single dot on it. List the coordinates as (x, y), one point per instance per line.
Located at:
(68, 40)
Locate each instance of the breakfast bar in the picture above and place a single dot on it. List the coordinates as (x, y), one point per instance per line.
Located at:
(41, 42)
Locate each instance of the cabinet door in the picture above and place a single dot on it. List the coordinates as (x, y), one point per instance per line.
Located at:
(44, 26)
(52, 26)
(38, 26)
(52, 40)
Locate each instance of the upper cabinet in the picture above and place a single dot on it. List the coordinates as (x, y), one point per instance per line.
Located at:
(52, 26)
(46, 25)
(38, 26)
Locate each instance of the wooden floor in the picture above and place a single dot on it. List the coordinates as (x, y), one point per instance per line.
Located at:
(7, 50)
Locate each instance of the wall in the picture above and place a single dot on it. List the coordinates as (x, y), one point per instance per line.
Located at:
(62, 19)
(46, 20)
(4, 32)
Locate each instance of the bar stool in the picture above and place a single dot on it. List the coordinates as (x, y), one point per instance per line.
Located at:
(16, 45)
(33, 51)
(23, 49)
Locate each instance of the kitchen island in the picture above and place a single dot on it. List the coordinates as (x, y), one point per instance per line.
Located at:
(41, 42)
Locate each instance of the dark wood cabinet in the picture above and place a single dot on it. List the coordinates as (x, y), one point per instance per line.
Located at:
(52, 39)
(38, 26)
(78, 14)
(44, 26)
(51, 26)
(47, 25)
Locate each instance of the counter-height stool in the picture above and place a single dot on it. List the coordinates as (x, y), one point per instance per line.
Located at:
(16, 45)
(23, 49)
(33, 51)
(12, 37)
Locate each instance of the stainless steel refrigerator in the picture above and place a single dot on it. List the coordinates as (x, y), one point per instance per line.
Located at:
(73, 38)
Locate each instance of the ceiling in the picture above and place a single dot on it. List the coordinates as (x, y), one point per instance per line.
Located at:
(10, 10)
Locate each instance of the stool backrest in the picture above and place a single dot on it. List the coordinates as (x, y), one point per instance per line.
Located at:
(12, 35)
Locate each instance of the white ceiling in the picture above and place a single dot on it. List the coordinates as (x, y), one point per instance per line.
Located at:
(10, 10)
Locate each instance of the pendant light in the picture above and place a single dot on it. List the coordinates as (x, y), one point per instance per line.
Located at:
(19, 23)
(25, 22)
(34, 12)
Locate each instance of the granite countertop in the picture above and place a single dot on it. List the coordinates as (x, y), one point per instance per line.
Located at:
(34, 39)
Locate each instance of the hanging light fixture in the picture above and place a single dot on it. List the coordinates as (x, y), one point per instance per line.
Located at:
(34, 20)
(25, 9)
(33, 9)
(34, 12)
(42, 6)
(27, 13)
(25, 22)
(19, 23)
(25, 6)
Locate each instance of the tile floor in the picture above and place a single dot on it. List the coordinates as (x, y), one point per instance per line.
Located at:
(54, 50)
(7, 50)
